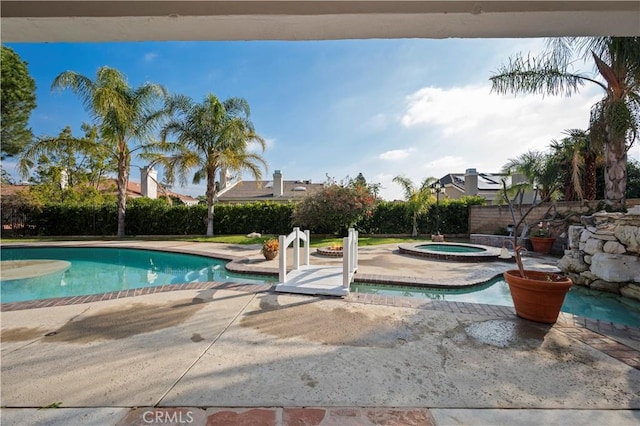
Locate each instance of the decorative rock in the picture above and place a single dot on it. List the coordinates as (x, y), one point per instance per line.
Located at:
(577, 278)
(570, 264)
(616, 267)
(635, 210)
(613, 247)
(629, 236)
(587, 220)
(574, 235)
(592, 229)
(586, 235)
(593, 246)
(632, 291)
(605, 237)
(607, 286)
(589, 276)
(587, 259)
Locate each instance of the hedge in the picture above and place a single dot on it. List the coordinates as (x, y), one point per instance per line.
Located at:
(156, 217)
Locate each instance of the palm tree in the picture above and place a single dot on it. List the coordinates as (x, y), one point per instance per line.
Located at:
(210, 137)
(615, 120)
(417, 198)
(541, 171)
(578, 157)
(121, 113)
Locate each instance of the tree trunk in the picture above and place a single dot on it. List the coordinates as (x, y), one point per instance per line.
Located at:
(615, 178)
(590, 176)
(414, 232)
(123, 180)
(211, 192)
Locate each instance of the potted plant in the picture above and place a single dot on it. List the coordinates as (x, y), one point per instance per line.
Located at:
(270, 248)
(541, 238)
(537, 295)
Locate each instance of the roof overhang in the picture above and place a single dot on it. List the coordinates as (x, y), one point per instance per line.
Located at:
(94, 20)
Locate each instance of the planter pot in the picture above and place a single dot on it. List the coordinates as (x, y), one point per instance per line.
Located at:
(539, 296)
(270, 254)
(542, 244)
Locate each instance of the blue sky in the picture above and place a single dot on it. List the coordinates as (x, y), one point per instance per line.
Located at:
(413, 107)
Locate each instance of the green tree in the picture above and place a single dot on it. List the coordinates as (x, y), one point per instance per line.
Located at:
(541, 170)
(210, 136)
(615, 120)
(5, 177)
(66, 163)
(578, 156)
(417, 198)
(18, 99)
(633, 185)
(334, 209)
(122, 114)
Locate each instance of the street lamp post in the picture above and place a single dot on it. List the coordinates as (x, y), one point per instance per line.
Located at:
(437, 188)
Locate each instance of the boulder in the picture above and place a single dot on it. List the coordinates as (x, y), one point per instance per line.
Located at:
(577, 279)
(613, 247)
(631, 290)
(607, 286)
(587, 220)
(585, 236)
(617, 268)
(574, 235)
(593, 246)
(629, 236)
(571, 264)
(587, 259)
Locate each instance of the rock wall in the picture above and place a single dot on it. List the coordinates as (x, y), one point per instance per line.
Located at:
(604, 253)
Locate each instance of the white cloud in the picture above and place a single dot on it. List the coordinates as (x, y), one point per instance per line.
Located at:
(395, 154)
(376, 123)
(149, 57)
(453, 129)
(448, 162)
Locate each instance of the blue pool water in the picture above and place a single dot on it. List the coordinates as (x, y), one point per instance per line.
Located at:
(102, 270)
(579, 301)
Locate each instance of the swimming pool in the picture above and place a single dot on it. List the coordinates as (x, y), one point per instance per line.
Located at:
(579, 301)
(102, 270)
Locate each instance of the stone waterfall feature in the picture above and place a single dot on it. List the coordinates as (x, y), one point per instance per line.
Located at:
(604, 253)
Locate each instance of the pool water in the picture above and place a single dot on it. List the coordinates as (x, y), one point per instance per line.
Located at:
(450, 248)
(579, 301)
(102, 270)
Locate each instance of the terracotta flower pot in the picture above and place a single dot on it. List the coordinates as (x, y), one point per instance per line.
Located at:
(539, 296)
(270, 254)
(542, 244)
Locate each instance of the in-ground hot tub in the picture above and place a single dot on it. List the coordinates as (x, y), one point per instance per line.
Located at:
(457, 252)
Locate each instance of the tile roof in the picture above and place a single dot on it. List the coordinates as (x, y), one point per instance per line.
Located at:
(262, 190)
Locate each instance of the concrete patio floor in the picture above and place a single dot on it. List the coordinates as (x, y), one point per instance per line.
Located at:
(219, 354)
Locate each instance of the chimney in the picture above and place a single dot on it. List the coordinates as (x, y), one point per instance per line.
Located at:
(64, 179)
(224, 178)
(471, 182)
(149, 182)
(278, 189)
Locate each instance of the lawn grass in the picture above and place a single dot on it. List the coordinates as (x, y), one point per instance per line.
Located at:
(316, 241)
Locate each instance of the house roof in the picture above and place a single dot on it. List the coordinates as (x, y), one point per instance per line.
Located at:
(133, 190)
(6, 190)
(262, 190)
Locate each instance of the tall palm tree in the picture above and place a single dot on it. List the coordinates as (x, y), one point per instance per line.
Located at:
(122, 114)
(210, 137)
(417, 198)
(615, 119)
